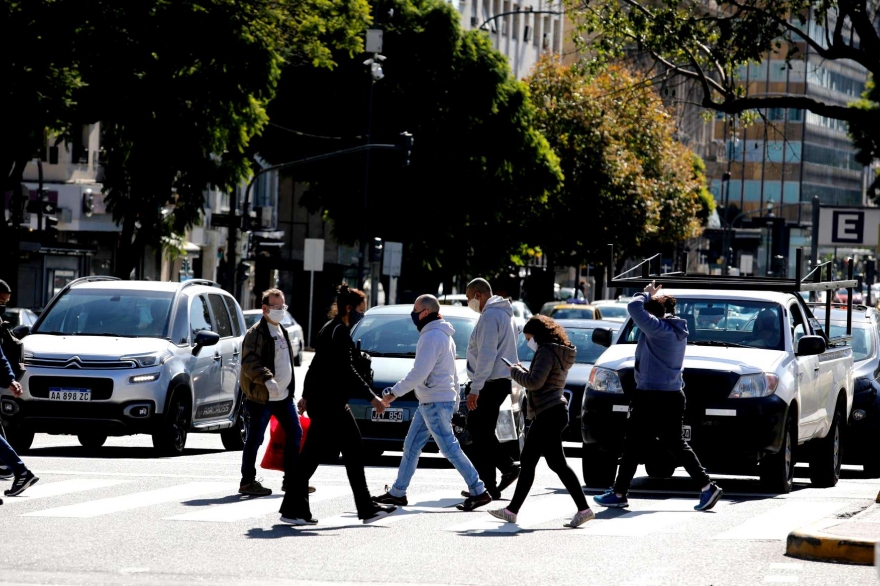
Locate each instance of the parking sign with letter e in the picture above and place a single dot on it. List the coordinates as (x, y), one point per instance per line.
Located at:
(848, 227)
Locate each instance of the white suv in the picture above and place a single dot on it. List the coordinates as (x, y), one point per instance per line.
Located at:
(110, 358)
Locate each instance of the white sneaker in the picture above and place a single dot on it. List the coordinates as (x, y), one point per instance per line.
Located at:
(299, 522)
(503, 514)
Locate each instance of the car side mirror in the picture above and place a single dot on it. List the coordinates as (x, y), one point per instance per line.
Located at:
(810, 346)
(602, 336)
(21, 331)
(205, 338)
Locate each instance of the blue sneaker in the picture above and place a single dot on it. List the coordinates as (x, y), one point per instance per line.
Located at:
(709, 497)
(610, 499)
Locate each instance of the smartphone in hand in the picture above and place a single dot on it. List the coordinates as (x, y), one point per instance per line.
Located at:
(506, 361)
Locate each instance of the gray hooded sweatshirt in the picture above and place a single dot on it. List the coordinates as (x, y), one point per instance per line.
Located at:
(433, 376)
(494, 336)
(660, 349)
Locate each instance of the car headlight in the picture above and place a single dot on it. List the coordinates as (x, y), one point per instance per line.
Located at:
(149, 360)
(750, 386)
(604, 380)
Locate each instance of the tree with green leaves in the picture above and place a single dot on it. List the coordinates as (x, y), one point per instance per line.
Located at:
(180, 89)
(706, 41)
(480, 171)
(628, 182)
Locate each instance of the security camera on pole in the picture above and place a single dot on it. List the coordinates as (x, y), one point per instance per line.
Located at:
(373, 46)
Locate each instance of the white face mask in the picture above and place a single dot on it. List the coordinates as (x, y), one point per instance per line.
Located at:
(474, 305)
(533, 344)
(276, 315)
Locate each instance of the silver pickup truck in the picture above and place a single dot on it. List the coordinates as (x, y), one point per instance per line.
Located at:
(764, 386)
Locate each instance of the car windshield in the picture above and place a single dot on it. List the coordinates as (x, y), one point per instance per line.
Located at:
(574, 313)
(102, 312)
(582, 338)
(614, 310)
(396, 336)
(251, 318)
(743, 323)
(862, 342)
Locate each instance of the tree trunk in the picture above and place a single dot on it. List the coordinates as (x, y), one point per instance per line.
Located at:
(126, 257)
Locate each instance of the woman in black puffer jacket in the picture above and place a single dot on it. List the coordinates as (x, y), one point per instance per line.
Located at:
(544, 382)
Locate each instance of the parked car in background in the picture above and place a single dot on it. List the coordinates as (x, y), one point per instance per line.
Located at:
(842, 296)
(458, 299)
(112, 358)
(294, 331)
(19, 316)
(864, 420)
(580, 332)
(521, 313)
(388, 335)
(575, 311)
(612, 309)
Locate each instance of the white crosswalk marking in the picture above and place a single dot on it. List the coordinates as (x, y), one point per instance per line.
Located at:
(536, 511)
(249, 508)
(50, 489)
(432, 502)
(779, 522)
(646, 520)
(133, 501)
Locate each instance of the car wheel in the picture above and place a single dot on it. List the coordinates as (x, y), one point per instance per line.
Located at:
(21, 440)
(777, 470)
(92, 440)
(827, 454)
(169, 439)
(235, 437)
(660, 469)
(599, 467)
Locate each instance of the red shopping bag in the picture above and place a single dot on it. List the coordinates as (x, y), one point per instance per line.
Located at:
(273, 459)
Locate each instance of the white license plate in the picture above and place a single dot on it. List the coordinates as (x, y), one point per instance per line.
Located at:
(686, 432)
(393, 415)
(60, 394)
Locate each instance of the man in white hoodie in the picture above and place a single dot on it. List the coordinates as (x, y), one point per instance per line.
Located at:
(435, 381)
(493, 338)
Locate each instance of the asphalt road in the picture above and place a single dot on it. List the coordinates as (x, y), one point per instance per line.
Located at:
(123, 516)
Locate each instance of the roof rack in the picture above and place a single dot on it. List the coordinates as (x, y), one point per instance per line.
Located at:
(809, 282)
(191, 282)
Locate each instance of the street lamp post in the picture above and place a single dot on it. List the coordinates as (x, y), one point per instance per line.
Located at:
(376, 73)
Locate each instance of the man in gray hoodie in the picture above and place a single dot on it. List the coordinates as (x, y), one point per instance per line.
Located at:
(435, 381)
(656, 409)
(493, 338)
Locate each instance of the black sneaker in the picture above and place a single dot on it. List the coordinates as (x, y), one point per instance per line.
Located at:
(379, 512)
(5, 472)
(21, 483)
(390, 499)
(472, 502)
(507, 479)
(495, 493)
(298, 521)
(254, 489)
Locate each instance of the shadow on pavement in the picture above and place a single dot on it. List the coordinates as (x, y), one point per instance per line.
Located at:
(281, 531)
(111, 452)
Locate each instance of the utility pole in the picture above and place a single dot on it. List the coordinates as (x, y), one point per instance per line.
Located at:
(232, 241)
(373, 46)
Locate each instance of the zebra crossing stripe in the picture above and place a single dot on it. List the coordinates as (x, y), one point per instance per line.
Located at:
(135, 500)
(777, 523)
(647, 519)
(536, 511)
(251, 507)
(50, 489)
(432, 502)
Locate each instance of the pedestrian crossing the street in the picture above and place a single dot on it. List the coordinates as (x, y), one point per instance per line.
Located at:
(218, 502)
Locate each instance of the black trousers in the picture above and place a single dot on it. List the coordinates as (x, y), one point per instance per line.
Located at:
(486, 451)
(545, 439)
(653, 416)
(330, 432)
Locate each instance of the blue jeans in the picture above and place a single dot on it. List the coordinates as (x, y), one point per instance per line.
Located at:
(285, 412)
(9, 458)
(434, 419)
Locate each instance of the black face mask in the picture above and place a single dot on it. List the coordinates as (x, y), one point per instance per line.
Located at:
(354, 317)
(421, 323)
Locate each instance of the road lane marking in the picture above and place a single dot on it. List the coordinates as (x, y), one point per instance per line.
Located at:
(135, 500)
(777, 523)
(60, 488)
(432, 502)
(535, 511)
(251, 507)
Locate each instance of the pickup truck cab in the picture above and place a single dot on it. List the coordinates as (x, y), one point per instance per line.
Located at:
(763, 382)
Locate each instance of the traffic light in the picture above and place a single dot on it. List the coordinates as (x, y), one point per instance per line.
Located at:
(376, 250)
(88, 203)
(406, 144)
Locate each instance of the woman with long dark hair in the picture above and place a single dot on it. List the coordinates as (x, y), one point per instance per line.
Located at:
(332, 380)
(547, 406)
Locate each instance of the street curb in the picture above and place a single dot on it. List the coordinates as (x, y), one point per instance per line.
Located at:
(814, 544)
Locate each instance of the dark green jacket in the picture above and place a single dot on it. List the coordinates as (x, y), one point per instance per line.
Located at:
(258, 362)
